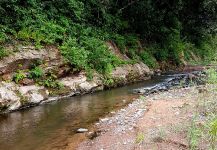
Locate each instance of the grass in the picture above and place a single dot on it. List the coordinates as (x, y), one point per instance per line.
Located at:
(203, 130)
(140, 138)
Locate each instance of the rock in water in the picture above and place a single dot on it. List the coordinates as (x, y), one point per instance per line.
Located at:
(82, 130)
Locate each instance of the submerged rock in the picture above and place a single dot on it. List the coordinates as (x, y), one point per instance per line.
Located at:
(82, 130)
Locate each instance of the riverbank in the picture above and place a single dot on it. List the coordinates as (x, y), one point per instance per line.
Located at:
(158, 121)
(31, 76)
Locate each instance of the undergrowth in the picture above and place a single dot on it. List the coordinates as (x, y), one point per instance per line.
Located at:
(81, 28)
(203, 131)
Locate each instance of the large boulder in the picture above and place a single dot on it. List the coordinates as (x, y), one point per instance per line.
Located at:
(79, 84)
(8, 97)
(130, 73)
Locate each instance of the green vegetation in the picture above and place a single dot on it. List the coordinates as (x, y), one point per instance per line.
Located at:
(140, 138)
(204, 125)
(3, 52)
(148, 59)
(36, 73)
(51, 83)
(146, 30)
(18, 76)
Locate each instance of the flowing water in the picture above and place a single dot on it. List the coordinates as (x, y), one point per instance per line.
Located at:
(49, 126)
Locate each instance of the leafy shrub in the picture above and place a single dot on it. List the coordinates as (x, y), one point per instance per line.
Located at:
(162, 54)
(3, 37)
(53, 33)
(99, 57)
(120, 41)
(108, 82)
(18, 76)
(131, 53)
(74, 53)
(3, 52)
(207, 49)
(148, 59)
(36, 73)
(89, 53)
(50, 82)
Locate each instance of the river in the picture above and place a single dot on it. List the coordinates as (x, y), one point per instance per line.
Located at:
(49, 126)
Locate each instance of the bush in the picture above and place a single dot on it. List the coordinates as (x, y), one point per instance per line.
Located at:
(3, 52)
(18, 76)
(3, 37)
(99, 56)
(51, 83)
(148, 59)
(36, 73)
(89, 53)
(74, 53)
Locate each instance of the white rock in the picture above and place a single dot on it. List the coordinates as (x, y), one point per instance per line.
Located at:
(82, 130)
(25, 89)
(36, 98)
(9, 98)
(104, 120)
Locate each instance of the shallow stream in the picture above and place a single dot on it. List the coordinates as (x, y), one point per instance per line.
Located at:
(49, 126)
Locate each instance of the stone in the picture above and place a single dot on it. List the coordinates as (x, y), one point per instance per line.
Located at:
(25, 89)
(139, 70)
(7, 77)
(36, 98)
(26, 81)
(9, 99)
(87, 86)
(104, 120)
(112, 112)
(92, 135)
(82, 130)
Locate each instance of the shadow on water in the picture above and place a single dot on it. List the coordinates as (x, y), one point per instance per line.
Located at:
(52, 123)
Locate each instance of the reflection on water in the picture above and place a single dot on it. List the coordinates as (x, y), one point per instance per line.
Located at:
(53, 123)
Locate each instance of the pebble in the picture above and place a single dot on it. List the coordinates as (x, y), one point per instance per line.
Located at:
(112, 112)
(82, 130)
(104, 120)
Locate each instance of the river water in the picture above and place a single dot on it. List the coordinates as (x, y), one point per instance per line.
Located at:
(49, 126)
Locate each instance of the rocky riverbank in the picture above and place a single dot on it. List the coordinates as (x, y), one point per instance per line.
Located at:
(157, 121)
(17, 91)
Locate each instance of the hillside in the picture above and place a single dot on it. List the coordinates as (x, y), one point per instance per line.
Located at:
(148, 31)
(77, 46)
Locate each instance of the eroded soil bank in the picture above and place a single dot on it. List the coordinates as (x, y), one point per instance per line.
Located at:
(159, 121)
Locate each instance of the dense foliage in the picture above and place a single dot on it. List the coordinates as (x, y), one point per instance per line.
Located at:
(167, 29)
